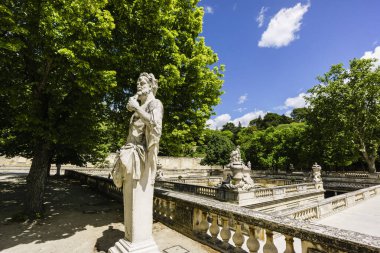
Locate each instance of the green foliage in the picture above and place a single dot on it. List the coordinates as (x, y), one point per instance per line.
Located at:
(217, 147)
(345, 113)
(275, 147)
(54, 78)
(270, 119)
(229, 126)
(62, 59)
(162, 37)
(299, 114)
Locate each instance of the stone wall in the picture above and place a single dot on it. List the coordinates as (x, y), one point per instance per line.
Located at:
(17, 161)
(175, 163)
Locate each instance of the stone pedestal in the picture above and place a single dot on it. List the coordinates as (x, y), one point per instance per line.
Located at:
(138, 215)
(237, 172)
(124, 246)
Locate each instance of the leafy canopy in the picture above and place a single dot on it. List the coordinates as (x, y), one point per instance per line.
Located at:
(345, 112)
(218, 147)
(54, 79)
(162, 37)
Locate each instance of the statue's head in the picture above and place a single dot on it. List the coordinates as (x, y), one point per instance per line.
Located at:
(147, 83)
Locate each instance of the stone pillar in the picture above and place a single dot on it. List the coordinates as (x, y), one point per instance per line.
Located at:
(138, 216)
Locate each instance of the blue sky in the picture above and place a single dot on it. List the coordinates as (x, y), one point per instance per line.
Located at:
(274, 49)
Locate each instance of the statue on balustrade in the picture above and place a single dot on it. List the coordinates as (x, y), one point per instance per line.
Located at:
(316, 173)
(135, 167)
(235, 156)
(141, 149)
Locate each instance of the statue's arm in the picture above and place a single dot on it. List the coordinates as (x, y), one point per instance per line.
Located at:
(154, 117)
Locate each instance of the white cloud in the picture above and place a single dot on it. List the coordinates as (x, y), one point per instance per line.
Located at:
(260, 18)
(243, 98)
(375, 54)
(294, 102)
(283, 26)
(246, 118)
(218, 122)
(208, 9)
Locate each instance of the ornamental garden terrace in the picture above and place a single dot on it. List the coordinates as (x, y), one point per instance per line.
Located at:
(281, 213)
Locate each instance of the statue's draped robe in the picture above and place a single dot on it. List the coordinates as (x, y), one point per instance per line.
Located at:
(141, 150)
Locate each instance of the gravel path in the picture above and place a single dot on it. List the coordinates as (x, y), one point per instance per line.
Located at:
(77, 219)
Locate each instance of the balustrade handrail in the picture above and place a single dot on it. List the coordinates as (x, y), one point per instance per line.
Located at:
(330, 237)
(331, 200)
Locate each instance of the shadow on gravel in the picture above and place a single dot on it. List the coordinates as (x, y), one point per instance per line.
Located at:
(110, 236)
(69, 207)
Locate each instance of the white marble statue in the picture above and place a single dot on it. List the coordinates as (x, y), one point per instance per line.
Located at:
(316, 173)
(235, 156)
(136, 165)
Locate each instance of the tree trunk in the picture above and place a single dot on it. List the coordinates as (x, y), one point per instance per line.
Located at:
(35, 182)
(48, 169)
(370, 160)
(371, 166)
(58, 173)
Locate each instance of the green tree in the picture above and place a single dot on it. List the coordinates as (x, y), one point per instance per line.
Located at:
(61, 62)
(218, 149)
(345, 112)
(270, 119)
(53, 82)
(162, 37)
(229, 126)
(299, 114)
(276, 147)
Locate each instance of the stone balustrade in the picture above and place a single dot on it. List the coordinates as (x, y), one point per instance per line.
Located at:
(230, 228)
(277, 182)
(242, 198)
(207, 181)
(188, 188)
(332, 181)
(326, 207)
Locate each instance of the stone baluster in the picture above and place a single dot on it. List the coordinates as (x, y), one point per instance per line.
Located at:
(203, 226)
(163, 208)
(225, 233)
(155, 205)
(172, 210)
(252, 243)
(167, 209)
(289, 244)
(238, 237)
(214, 228)
(160, 207)
(197, 214)
(269, 246)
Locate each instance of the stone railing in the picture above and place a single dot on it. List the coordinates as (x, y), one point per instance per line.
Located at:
(188, 188)
(242, 198)
(277, 182)
(229, 228)
(332, 181)
(329, 206)
(207, 181)
(103, 185)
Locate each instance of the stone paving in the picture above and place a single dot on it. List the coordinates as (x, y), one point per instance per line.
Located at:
(363, 218)
(76, 220)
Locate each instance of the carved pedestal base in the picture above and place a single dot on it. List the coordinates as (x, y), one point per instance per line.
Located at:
(124, 246)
